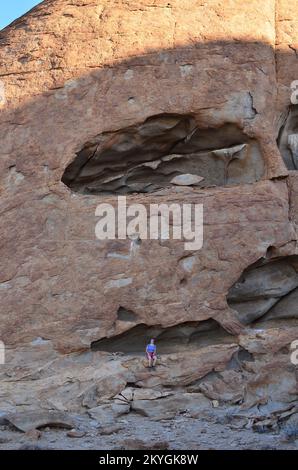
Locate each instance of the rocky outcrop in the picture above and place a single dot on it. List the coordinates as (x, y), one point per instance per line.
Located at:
(165, 102)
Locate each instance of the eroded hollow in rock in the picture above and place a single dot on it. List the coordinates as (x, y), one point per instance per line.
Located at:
(268, 290)
(173, 339)
(288, 138)
(150, 156)
(126, 315)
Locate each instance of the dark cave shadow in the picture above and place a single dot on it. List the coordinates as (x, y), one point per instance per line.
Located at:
(183, 336)
(263, 290)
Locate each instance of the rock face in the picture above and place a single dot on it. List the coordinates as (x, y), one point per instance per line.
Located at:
(262, 286)
(106, 98)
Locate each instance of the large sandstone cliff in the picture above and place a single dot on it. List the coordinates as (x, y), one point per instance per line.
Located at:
(108, 97)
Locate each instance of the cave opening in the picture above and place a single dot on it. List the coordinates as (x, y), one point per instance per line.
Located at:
(163, 151)
(266, 290)
(184, 336)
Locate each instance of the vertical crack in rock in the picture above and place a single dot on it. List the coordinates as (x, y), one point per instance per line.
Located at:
(165, 150)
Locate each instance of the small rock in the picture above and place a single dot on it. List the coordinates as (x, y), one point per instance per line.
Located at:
(33, 434)
(186, 179)
(126, 394)
(75, 433)
(27, 420)
(108, 413)
(113, 429)
(138, 444)
(31, 447)
(149, 394)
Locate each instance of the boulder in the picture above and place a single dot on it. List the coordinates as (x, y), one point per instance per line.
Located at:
(31, 420)
(169, 407)
(139, 444)
(106, 414)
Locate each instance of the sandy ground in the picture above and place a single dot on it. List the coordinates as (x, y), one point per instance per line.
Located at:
(135, 431)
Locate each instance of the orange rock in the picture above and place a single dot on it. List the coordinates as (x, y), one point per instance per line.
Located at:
(134, 94)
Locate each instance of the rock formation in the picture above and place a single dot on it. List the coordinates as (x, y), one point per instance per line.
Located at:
(109, 97)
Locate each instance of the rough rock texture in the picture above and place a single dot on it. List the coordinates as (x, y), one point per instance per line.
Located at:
(122, 97)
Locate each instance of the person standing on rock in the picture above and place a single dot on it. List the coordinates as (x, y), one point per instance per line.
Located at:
(151, 353)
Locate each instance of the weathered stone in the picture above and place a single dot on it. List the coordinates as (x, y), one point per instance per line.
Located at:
(31, 420)
(169, 407)
(90, 112)
(149, 394)
(106, 414)
(138, 444)
(75, 433)
(112, 429)
(32, 447)
(228, 386)
(126, 395)
(263, 285)
(186, 180)
(185, 368)
(33, 434)
(287, 307)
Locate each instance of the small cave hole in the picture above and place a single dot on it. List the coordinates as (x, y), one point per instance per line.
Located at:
(181, 337)
(126, 315)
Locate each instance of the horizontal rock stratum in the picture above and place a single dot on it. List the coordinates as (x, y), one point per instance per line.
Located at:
(112, 97)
